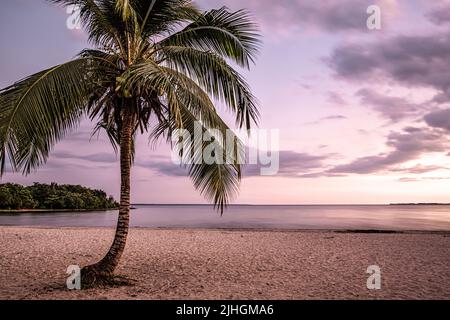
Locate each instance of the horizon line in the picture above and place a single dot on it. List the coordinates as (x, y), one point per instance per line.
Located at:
(298, 204)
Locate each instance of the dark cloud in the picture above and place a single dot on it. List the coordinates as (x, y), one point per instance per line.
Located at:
(164, 167)
(306, 86)
(439, 119)
(419, 169)
(440, 15)
(96, 157)
(334, 117)
(63, 166)
(409, 179)
(392, 108)
(332, 16)
(327, 118)
(421, 60)
(57, 162)
(86, 134)
(81, 135)
(291, 164)
(336, 99)
(412, 129)
(406, 146)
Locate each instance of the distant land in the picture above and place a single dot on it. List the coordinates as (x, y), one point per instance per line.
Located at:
(420, 204)
(15, 198)
(294, 205)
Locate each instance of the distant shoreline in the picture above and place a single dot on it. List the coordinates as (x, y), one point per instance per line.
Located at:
(134, 206)
(419, 204)
(369, 231)
(290, 205)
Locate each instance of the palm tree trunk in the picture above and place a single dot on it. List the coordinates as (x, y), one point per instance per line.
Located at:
(102, 272)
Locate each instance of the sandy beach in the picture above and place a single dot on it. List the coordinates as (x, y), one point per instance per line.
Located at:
(222, 264)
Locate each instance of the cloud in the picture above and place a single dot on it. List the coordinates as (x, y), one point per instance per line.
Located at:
(327, 118)
(164, 167)
(335, 117)
(439, 119)
(409, 179)
(336, 99)
(57, 162)
(419, 169)
(418, 60)
(80, 135)
(405, 146)
(392, 108)
(440, 15)
(96, 157)
(327, 15)
(291, 164)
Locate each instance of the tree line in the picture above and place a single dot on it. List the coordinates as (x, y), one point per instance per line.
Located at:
(53, 196)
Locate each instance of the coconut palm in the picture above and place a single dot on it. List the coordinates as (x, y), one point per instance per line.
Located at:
(157, 66)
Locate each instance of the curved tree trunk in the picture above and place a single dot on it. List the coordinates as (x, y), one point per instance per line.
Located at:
(102, 272)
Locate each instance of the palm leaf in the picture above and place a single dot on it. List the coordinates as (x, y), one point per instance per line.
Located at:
(38, 111)
(217, 180)
(217, 78)
(188, 104)
(232, 35)
(159, 17)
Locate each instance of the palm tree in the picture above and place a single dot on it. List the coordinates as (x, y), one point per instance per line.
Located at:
(157, 66)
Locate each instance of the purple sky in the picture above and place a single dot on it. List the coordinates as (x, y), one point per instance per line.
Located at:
(364, 116)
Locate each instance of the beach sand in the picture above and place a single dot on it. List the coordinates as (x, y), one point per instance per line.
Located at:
(221, 264)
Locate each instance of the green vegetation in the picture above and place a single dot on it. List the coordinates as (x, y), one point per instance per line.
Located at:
(53, 197)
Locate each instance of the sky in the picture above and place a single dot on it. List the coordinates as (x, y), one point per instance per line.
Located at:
(363, 115)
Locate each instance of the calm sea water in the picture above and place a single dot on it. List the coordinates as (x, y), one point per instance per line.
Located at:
(241, 216)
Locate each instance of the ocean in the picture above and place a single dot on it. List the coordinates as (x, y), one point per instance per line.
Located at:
(340, 217)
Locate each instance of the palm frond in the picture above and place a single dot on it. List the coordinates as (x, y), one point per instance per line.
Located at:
(38, 111)
(187, 106)
(159, 17)
(124, 8)
(177, 88)
(217, 78)
(232, 35)
(218, 180)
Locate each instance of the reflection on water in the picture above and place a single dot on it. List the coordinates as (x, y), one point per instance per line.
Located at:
(239, 216)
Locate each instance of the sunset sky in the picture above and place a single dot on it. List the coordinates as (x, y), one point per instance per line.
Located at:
(364, 116)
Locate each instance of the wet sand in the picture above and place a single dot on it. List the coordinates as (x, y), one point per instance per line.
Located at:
(224, 264)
